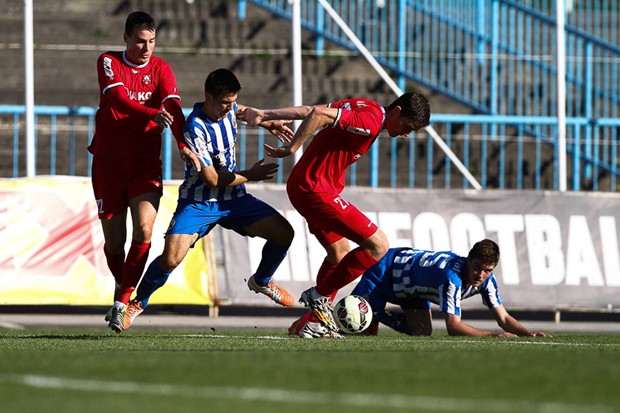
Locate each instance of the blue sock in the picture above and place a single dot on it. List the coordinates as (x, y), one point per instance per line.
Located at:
(154, 278)
(273, 254)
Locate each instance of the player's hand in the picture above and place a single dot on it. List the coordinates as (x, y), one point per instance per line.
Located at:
(190, 157)
(280, 129)
(250, 116)
(505, 334)
(163, 119)
(279, 151)
(261, 171)
(540, 334)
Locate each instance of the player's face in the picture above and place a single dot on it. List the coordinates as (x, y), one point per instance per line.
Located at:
(477, 272)
(218, 107)
(400, 126)
(140, 46)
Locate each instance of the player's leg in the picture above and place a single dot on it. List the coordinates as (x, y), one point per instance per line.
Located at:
(190, 223)
(175, 249)
(278, 234)
(252, 217)
(114, 235)
(144, 190)
(109, 180)
(143, 213)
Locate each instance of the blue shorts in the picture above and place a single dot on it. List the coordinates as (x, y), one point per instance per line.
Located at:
(201, 217)
(377, 286)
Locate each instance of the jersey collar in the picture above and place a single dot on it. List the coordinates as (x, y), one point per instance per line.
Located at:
(128, 63)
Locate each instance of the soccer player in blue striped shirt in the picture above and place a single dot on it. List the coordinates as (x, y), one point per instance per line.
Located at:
(217, 195)
(413, 279)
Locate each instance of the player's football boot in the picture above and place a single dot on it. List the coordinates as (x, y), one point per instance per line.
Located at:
(108, 315)
(321, 309)
(278, 294)
(134, 309)
(117, 289)
(117, 321)
(316, 330)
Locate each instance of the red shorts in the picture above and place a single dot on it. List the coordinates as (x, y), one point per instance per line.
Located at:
(331, 218)
(117, 180)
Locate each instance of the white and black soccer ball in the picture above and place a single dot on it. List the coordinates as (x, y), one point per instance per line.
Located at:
(353, 314)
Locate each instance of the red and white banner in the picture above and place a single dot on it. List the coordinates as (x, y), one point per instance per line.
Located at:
(51, 247)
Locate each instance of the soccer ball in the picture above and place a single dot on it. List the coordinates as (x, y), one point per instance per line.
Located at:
(353, 314)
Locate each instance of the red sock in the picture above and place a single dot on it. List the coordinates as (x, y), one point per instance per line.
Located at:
(349, 269)
(115, 264)
(134, 266)
(298, 324)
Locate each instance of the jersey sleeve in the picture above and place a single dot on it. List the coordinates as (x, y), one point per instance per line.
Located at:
(108, 72)
(490, 293)
(450, 294)
(359, 117)
(197, 140)
(168, 83)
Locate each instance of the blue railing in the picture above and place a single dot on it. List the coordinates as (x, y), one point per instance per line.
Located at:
(496, 56)
(498, 150)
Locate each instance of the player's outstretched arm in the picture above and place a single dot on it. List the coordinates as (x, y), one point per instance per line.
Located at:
(456, 327)
(511, 325)
(254, 117)
(318, 117)
(260, 171)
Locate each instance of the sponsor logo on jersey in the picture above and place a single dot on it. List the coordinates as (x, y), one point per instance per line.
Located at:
(221, 158)
(358, 131)
(139, 96)
(107, 67)
(146, 79)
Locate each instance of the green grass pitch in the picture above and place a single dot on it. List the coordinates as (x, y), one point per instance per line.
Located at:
(88, 371)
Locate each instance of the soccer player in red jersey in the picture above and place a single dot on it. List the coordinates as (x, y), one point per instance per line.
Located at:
(138, 100)
(345, 130)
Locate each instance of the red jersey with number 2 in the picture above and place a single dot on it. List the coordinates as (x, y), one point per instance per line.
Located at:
(334, 148)
(125, 135)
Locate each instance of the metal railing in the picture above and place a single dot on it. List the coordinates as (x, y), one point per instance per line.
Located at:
(496, 56)
(500, 151)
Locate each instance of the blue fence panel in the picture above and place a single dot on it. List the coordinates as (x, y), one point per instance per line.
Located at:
(497, 56)
(510, 152)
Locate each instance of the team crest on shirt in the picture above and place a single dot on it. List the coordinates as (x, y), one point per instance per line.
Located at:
(146, 79)
(357, 156)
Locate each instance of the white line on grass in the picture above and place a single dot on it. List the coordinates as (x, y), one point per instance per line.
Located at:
(508, 341)
(11, 326)
(395, 401)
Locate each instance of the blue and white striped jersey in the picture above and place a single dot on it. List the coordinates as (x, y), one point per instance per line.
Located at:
(435, 276)
(214, 143)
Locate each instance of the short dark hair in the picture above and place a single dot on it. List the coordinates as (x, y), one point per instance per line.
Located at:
(486, 251)
(221, 81)
(414, 106)
(139, 20)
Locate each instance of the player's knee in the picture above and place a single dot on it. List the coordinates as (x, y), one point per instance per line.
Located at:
(288, 233)
(169, 262)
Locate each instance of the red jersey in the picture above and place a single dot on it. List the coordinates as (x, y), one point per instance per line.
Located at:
(130, 135)
(323, 165)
